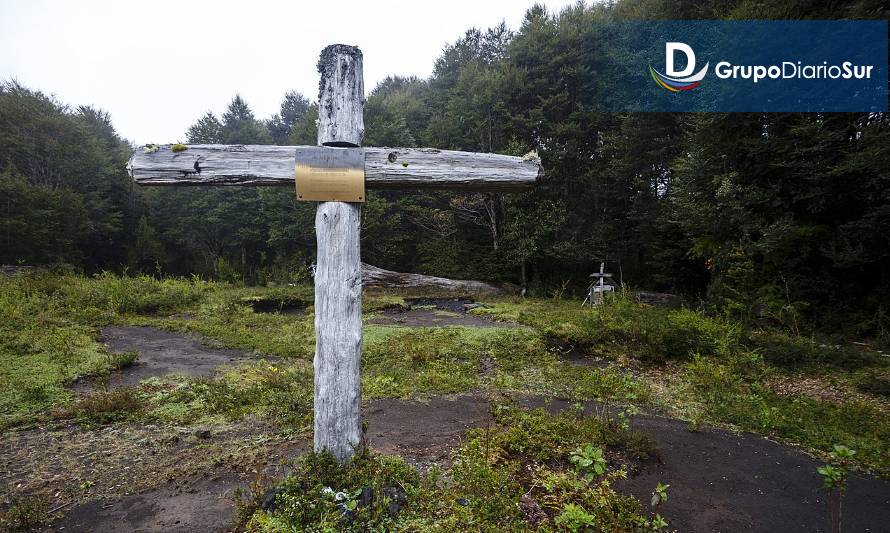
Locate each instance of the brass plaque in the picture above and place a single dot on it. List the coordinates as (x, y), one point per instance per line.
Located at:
(327, 174)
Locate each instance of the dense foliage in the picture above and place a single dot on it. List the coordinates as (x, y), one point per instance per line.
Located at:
(479, 492)
(765, 216)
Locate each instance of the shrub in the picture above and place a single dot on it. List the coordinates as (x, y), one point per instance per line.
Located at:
(792, 351)
(656, 334)
(495, 484)
(26, 514)
(874, 382)
(322, 495)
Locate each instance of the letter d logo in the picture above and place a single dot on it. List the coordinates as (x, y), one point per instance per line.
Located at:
(670, 51)
(674, 80)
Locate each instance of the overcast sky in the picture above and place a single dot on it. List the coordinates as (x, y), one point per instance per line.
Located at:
(157, 66)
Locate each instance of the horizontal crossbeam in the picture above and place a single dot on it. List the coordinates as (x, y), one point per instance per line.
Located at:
(385, 168)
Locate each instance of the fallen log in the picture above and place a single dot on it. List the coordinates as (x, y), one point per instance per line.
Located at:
(377, 277)
(657, 298)
(14, 270)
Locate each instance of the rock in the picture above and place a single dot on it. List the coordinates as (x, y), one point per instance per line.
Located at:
(532, 510)
(366, 497)
(463, 501)
(202, 433)
(397, 499)
(14, 270)
(270, 498)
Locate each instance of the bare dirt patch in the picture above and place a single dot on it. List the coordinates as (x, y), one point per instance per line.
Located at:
(424, 434)
(204, 505)
(160, 353)
(136, 468)
(820, 388)
(576, 354)
(207, 502)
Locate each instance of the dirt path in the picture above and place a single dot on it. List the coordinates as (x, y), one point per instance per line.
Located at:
(719, 481)
(202, 505)
(161, 353)
(726, 482)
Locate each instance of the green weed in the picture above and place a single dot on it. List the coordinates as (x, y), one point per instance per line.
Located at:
(26, 514)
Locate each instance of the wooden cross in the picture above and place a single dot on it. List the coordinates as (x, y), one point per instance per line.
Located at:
(338, 282)
(596, 290)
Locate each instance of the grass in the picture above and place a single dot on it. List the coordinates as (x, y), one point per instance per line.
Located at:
(48, 332)
(731, 390)
(281, 393)
(723, 374)
(104, 407)
(719, 371)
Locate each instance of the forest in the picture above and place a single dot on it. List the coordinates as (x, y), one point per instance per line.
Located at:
(778, 217)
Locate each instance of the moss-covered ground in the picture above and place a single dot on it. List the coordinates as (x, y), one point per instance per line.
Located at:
(675, 362)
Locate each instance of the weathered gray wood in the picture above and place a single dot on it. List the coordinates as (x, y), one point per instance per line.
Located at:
(385, 168)
(338, 274)
(377, 277)
(341, 96)
(338, 329)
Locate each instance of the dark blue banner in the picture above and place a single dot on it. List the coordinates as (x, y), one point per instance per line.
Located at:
(727, 66)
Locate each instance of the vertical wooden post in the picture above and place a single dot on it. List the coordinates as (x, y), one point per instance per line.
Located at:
(338, 276)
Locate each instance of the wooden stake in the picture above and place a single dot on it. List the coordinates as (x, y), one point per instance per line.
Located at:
(338, 274)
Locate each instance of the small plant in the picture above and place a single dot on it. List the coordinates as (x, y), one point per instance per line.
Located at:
(575, 518)
(834, 480)
(659, 495)
(117, 361)
(589, 461)
(658, 523)
(625, 417)
(559, 293)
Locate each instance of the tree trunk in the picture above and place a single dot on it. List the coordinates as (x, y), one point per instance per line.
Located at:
(338, 279)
